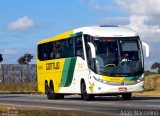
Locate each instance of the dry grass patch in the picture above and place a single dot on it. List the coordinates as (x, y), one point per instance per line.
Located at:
(152, 83)
(18, 87)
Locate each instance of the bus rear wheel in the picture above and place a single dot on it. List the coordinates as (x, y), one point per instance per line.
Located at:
(46, 87)
(126, 96)
(51, 94)
(84, 93)
(61, 96)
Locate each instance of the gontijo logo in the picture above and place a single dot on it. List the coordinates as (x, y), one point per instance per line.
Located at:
(51, 66)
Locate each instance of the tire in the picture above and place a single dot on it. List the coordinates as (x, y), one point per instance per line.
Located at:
(61, 96)
(46, 87)
(84, 94)
(51, 94)
(127, 96)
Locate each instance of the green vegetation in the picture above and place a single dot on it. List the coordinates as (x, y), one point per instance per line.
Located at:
(147, 73)
(25, 59)
(156, 66)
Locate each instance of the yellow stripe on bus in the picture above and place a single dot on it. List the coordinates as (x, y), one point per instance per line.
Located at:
(64, 35)
(113, 79)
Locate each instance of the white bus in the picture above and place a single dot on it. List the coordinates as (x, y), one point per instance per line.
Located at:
(91, 61)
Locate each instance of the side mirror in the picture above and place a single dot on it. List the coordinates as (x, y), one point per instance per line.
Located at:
(146, 48)
(1, 58)
(93, 51)
(93, 54)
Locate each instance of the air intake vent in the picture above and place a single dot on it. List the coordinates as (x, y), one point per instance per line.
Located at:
(108, 26)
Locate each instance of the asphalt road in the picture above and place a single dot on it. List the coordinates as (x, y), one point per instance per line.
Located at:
(103, 105)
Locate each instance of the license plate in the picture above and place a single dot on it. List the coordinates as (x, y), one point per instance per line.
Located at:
(122, 89)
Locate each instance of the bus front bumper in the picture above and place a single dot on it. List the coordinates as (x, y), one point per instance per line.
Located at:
(100, 88)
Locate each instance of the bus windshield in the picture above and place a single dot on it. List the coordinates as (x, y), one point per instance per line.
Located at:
(120, 56)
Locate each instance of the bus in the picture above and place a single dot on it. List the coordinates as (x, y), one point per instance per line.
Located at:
(91, 61)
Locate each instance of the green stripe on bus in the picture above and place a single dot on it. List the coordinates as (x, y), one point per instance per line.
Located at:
(68, 71)
(76, 34)
(134, 78)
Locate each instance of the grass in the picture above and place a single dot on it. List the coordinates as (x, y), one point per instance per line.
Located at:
(53, 113)
(148, 93)
(21, 87)
(26, 111)
(152, 82)
(152, 86)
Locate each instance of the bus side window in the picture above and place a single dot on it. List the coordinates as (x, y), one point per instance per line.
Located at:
(40, 52)
(70, 49)
(52, 52)
(79, 46)
(63, 49)
(46, 55)
(57, 51)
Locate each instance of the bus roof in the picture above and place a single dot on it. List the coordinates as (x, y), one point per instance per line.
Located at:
(107, 31)
(98, 31)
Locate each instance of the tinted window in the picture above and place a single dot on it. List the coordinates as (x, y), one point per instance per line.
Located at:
(70, 47)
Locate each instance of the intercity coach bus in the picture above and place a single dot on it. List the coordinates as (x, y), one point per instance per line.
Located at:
(91, 61)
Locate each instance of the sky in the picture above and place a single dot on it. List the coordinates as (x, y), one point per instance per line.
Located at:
(25, 22)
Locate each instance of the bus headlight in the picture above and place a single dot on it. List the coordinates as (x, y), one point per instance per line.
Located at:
(100, 80)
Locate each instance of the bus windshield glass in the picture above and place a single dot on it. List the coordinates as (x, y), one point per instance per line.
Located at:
(120, 56)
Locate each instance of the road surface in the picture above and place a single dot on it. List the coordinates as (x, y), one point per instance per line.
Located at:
(102, 105)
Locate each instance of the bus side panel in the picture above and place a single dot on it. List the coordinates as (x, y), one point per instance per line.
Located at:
(66, 75)
(68, 71)
(79, 71)
(50, 70)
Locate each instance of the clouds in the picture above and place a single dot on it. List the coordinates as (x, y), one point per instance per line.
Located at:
(22, 24)
(143, 24)
(20, 31)
(145, 19)
(114, 20)
(99, 6)
(17, 38)
(145, 14)
(140, 7)
(9, 51)
(11, 55)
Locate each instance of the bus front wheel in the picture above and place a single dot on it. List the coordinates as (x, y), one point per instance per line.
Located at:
(126, 96)
(84, 93)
